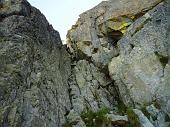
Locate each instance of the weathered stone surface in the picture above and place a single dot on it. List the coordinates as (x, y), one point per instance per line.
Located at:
(135, 35)
(167, 109)
(142, 68)
(117, 119)
(152, 110)
(143, 119)
(74, 120)
(14, 7)
(97, 31)
(119, 52)
(34, 69)
(88, 88)
(158, 117)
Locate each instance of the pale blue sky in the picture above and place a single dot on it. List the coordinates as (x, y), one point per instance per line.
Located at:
(62, 14)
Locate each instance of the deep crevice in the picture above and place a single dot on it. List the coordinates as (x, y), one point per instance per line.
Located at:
(132, 46)
(163, 59)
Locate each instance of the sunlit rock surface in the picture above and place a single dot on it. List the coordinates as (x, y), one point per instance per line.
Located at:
(114, 71)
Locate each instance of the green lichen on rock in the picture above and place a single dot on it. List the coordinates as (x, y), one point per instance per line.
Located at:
(118, 24)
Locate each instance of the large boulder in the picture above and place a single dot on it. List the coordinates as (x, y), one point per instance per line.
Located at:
(142, 69)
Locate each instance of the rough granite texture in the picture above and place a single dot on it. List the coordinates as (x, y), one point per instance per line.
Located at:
(34, 68)
(117, 59)
(143, 64)
(129, 39)
(97, 31)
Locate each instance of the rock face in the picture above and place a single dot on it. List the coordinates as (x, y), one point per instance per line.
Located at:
(143, 119)
(136, 38)
(97, 31)
(143, 64)
(34, 68)
(129, 40)
(89, 88)
(116, 59)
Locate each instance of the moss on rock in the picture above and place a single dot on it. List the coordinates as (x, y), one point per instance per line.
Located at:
(91, 118)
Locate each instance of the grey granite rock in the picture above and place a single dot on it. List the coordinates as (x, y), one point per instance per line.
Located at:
(159, 117)
(97, 30)
(119, 52)
(34, 68)
(143, 119)
(130, 40)
(117, 119)
(88, 88)
(142, 68)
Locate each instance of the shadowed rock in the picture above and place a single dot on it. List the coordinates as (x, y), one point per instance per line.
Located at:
(34, 68)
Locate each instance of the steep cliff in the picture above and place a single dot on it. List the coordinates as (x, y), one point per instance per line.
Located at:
(34, 68)
(114, 72)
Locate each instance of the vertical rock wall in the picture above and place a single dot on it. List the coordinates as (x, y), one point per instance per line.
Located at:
(34, 68)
